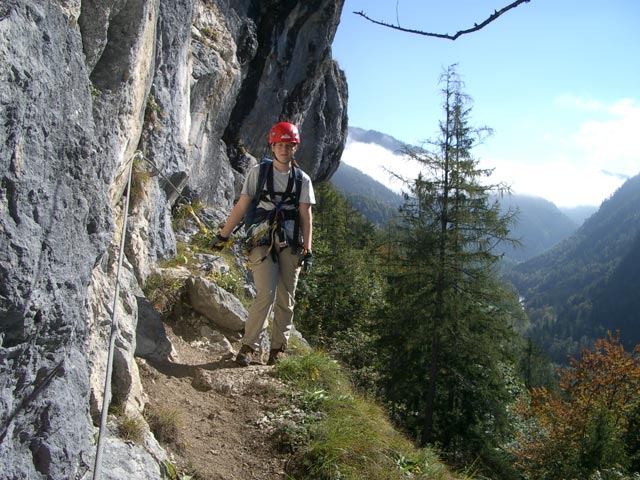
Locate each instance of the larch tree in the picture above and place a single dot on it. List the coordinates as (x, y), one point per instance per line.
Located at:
(590, 424)
(448, 327)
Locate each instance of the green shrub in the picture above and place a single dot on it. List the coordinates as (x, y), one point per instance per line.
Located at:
(153, 113)
(140, 177)
(183, 213)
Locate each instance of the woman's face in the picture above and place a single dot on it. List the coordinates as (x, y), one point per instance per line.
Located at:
(284, 151)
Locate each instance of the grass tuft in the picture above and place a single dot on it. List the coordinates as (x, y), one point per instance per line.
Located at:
(312, 371)
(131, 428)
(163, 292)
(165, 424)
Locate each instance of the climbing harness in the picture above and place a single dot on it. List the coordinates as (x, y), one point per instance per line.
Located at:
(266, 227)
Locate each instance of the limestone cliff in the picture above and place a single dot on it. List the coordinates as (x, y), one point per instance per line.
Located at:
(192, 85)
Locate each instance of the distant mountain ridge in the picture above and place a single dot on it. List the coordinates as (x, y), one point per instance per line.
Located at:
(370, 197)
(589, 283)
(372, 136)
(541, 224)
(580, 213)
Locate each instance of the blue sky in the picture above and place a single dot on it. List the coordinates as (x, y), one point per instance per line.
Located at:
(557, 80)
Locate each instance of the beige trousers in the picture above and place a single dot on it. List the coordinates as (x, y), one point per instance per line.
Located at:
(276, 287)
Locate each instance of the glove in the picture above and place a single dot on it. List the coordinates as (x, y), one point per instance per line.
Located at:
(219, 242)
(306, 261)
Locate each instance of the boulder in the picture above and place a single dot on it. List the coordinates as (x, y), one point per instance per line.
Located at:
(216, 304)
(152, 342)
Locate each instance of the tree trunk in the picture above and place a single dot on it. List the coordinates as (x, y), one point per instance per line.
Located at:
(427, 430)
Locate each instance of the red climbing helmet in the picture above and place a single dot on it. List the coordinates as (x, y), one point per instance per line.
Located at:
(284, 132)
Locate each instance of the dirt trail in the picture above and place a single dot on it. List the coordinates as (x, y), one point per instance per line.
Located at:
(226, 432)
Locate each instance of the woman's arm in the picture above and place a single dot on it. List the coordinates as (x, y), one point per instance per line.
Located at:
(306, 224)
(236, 215)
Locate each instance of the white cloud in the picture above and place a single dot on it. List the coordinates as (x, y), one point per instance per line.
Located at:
(559, 180)
(611, 144)
(568, 100)
(379, 163)
(584, 164)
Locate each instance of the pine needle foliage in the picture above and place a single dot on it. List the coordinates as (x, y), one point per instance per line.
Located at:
(339, 302)
(448, 329)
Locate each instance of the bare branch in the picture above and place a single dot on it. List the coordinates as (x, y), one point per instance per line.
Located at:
(475, 28)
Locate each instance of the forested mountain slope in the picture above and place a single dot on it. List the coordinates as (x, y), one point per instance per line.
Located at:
(371, 136)
(590, 282)
(539, 226)
(368, 196)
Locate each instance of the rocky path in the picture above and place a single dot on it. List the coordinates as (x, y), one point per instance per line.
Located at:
(223, 413)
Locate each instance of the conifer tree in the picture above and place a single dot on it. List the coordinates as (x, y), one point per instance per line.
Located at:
(447, 333)
(341, 297)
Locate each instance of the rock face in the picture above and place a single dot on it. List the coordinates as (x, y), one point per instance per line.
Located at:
(187, 87)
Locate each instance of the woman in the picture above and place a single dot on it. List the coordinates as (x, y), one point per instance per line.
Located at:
(279, 235)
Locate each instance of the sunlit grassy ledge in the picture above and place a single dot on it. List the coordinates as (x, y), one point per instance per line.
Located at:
(348, 436)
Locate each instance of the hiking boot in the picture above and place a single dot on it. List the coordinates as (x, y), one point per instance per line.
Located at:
(274, 354)
(244, 356)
